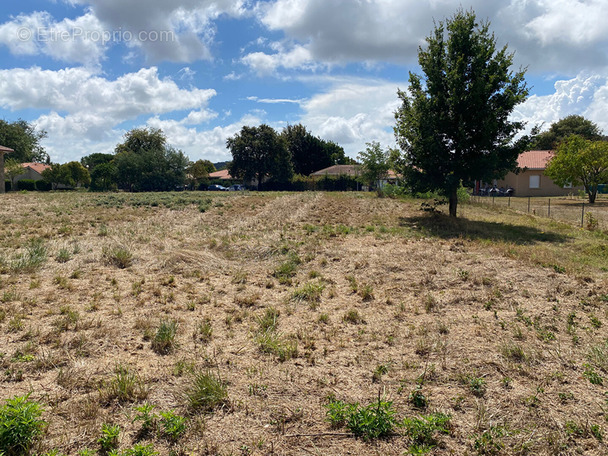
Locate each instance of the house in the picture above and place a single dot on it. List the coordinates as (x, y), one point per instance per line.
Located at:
(353, 171)
(33, 171)
(221, 175)
(531, 180)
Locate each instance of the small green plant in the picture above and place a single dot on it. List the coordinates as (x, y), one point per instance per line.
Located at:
(490, 442)
(374, 421)
(367, 292)
(147, 418)
(108, 440)
(591, 375)
(63, 256)
(423, 430)
(287, 270)
(323, 318)
(206, 392)
(353, 316)
(164, 339)
(117, 255)
(379, 371)
(418, 399)
(477, 386)
(276, 344)
(172, 426)
(86, 452)
(139, 450)
(269, 320)
(20, 425)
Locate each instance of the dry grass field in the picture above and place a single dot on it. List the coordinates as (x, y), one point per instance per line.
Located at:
(245, 324)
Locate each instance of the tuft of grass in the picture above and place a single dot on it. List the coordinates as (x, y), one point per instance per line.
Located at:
(126, 386)
(514, 352)
(204, 331)
(275, 343)
(117, 255)
(269, 320)
(311, 292)
(164, 339)
(205, 392)
(32, 258)
(20, 425)
(353, 316)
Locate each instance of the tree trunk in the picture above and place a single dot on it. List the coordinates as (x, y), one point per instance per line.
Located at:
(453, 202)
(592, 195)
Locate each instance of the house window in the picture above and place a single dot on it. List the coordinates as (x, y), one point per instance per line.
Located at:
(568, 185)
(534, 181)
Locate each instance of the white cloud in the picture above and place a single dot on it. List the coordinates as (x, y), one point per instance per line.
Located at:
(548, 35)
(85, 108)
(76, 41)
(296, 58)
(353, 112)
(585, 95)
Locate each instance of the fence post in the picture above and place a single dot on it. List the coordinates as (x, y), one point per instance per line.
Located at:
(583, 216)
(549, 207)
(492, 198)
(528, 204)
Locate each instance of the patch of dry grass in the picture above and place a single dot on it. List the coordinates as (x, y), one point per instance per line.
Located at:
(271, 303)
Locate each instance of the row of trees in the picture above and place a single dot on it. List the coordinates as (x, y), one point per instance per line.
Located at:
(262, 155)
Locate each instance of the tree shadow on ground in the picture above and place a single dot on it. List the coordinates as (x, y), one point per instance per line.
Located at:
(445, 227)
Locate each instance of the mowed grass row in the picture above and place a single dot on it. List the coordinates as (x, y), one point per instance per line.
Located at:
(298, 323)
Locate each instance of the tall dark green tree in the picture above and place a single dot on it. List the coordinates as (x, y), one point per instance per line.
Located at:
(145, 163)
(453, 124)
(259, 153)
(563, 129)
(374, 164)
(24, 139)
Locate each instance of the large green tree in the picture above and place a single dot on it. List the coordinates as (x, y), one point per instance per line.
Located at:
(259, 153)
(453, 124)
(579, 161)
(24, 139)
(374, 164)
(145, 163)
(564, 128)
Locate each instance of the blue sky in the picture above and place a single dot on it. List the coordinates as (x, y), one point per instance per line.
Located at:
(87, 71)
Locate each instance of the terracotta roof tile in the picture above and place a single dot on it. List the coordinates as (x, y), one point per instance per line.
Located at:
(38, 167)
(535, 159)
(223, 174)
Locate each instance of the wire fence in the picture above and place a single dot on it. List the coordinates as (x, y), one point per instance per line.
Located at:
(569, 209)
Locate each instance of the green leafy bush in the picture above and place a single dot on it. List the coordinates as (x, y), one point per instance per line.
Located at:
(26, 184)
(374, 421)
(109, 437)
(20, 425)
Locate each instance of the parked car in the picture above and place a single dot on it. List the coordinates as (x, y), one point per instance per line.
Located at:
(216, 188)
(236, 188)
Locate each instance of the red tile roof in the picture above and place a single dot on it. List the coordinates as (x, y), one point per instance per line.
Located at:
(38, 167)
(223, 174)
(535, 159)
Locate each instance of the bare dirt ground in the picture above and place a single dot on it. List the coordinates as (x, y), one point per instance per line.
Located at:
(498, 319)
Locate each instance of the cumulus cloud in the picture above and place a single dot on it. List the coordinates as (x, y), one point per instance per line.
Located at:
(353, 112)
(586, 95)
(80, 40)
(551, 35)
(82, 104)
(296, 58)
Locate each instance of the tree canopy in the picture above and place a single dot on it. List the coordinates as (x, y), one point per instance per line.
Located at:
(259, 153)
(24, 139)
(453, 124)
(579, 161)
(374, 164)
(564, 128)
(145, 163)
(310, 153)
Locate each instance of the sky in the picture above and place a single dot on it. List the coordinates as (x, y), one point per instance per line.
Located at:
(88, 71)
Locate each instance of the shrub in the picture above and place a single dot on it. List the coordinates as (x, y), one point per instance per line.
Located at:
(32, 259)
(206, 392)
(20, 425)
(164, 340)
(43, 186)
(26, 184)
